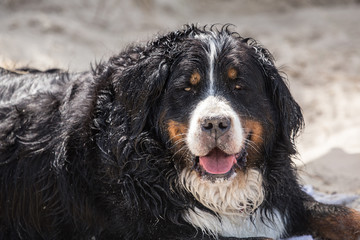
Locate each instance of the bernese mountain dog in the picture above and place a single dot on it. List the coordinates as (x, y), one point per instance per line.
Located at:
(189, 136)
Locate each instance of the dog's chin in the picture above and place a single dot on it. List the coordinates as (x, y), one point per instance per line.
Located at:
(218, 165)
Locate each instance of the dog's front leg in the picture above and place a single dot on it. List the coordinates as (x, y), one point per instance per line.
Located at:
(333, 222)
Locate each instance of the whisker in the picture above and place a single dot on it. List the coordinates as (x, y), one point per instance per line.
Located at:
(176, 136)
(253, 145)
(184, 152)
(254, 134)
(178, 143)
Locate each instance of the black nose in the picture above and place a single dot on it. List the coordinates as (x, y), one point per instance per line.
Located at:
(215, 126)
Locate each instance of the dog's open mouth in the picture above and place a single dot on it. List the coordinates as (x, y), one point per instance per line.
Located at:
(218, 164)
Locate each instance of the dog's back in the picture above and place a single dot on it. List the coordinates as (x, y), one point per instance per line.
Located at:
(21, 84)
(33, 106)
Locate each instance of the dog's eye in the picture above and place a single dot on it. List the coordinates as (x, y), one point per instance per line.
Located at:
(238, 87)
(190, 90)
(187, 89)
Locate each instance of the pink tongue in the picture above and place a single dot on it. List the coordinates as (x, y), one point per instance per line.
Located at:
(217, 162)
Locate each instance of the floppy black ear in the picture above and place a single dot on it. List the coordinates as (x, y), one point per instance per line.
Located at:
(289, 112)
(290, 119)
(139, 87)
(140, 75)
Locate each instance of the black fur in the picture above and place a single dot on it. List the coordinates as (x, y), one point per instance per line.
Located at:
(87, 155)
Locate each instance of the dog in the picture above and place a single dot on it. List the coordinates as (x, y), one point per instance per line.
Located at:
(189, 136)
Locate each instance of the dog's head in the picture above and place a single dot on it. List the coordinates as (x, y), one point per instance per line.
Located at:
(218, 104)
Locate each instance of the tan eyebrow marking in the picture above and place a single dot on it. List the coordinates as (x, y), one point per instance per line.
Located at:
(195, 78)
(232, 73)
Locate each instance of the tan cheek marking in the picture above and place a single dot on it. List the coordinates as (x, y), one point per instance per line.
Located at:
(257, 131)
(257, 140)
(232, 73)
(177, 131)
(195, 78)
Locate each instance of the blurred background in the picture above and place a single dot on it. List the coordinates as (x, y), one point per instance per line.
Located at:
(315, 42)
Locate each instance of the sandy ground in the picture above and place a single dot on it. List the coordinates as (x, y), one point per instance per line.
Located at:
(315, 42)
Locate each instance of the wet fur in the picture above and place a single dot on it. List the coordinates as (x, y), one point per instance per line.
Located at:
(87, 155)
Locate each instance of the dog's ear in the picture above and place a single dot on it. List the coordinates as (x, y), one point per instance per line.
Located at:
(290, 119)
(289, 112)
(139, 87)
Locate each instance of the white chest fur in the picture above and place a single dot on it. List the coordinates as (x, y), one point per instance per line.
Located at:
(236, 225)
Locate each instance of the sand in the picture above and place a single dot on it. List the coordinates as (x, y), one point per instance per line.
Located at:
(315, 42)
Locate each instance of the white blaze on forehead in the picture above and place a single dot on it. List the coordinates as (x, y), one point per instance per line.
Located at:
(209, 108)
(212, 51)
(212, 56)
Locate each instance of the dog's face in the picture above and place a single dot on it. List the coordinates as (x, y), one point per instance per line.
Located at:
(219, 105)
(217, 115)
